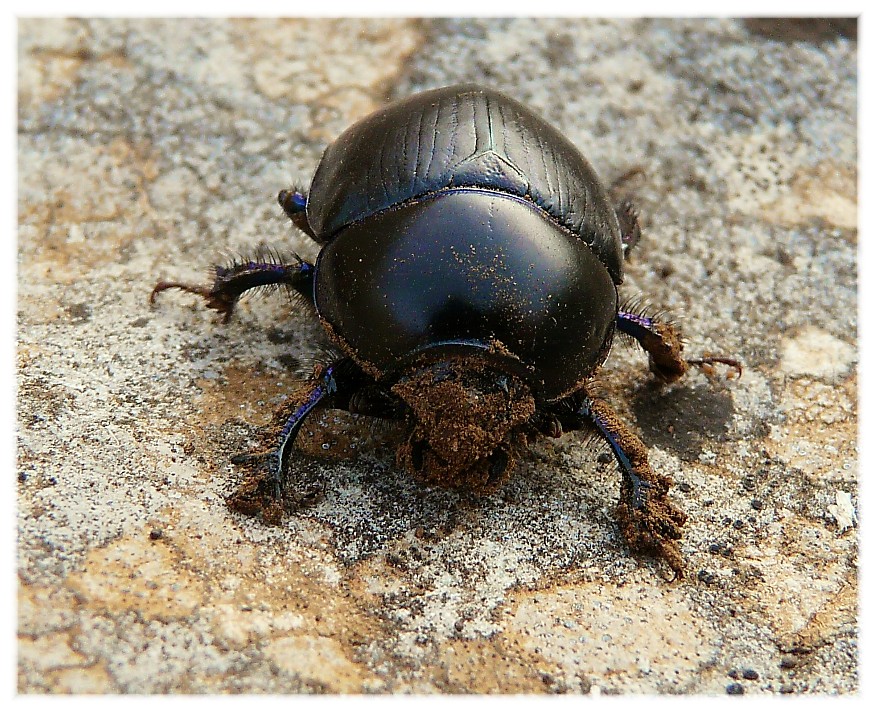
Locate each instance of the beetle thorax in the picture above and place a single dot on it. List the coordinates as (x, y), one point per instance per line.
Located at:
(466, 423)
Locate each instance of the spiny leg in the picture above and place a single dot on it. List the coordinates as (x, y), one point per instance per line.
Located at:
(663, 343)
(230, 282)
(331, 385)
(650, 522)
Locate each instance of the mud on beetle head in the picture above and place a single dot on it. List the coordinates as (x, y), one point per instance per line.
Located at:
(468, 272)
(466, 423)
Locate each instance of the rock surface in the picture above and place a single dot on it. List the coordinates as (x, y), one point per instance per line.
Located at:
(149, 149)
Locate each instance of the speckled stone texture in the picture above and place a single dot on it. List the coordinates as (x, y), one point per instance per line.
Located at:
(150, 149)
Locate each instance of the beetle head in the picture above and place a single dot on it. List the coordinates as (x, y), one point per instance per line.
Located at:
(466, 423)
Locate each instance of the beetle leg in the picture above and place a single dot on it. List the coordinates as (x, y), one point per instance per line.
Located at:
(650, 522)
(629, 226)
(626, 213)
(663, 343)
(619, 186)
(294, 204)
(336, 381)
(547, 423)
(230, 283)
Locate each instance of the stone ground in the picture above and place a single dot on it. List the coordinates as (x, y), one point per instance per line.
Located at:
(149, 149)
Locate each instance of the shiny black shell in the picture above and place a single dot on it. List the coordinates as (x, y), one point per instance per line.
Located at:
(461, 136)
(457, 218)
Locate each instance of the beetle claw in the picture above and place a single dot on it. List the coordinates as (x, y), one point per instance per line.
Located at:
(654, 529)
(706, 362)
(216, 299)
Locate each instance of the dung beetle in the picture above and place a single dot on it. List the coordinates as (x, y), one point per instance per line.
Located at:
(468, 270)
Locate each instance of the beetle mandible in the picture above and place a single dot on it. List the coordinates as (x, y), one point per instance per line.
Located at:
(468, 273)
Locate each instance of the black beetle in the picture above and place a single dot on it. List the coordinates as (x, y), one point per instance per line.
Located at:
(468, 271)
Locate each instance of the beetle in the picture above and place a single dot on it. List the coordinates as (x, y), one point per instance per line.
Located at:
(468, 271)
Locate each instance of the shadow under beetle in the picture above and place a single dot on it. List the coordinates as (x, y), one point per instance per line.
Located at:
(468, 271)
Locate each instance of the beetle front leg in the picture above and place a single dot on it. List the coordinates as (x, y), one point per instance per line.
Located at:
(336, 381)
(650, 522)
(294, 203)
(230, 283)
(663, 343)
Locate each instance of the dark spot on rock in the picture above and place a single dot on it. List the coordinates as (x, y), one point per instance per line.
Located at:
(279, 335)
(683, 420)
(734, 689)
(395, 561)
(706, 577)
(750, 674)
(156, 534)
(79, 312)
(140, 322)
(785, 257)
(757, 504)
(803, 29)
(559, 50)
